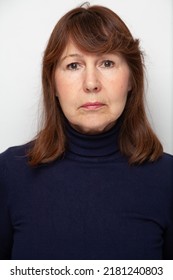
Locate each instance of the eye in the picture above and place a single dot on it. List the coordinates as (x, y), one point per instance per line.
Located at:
(73, 66)
(107, 64)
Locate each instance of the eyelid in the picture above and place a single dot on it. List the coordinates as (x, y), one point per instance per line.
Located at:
(109, 61)
(70, 64)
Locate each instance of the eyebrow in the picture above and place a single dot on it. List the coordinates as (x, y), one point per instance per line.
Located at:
(72, 55)
(77, 55)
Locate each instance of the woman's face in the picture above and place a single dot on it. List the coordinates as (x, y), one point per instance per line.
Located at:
(92, 89)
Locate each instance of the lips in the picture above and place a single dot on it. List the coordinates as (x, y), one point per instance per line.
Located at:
(92, 105)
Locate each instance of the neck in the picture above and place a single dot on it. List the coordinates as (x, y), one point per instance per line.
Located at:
(93, 131)
(96, 146)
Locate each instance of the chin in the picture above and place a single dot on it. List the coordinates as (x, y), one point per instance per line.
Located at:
(94, 129)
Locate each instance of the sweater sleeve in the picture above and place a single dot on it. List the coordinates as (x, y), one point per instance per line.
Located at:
(5, 223)
(168, 206)
(168, 236)
(168, 244)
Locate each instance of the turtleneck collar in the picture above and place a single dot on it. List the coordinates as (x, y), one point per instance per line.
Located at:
(93, 146)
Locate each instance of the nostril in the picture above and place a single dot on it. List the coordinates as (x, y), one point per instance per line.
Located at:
(92, 89)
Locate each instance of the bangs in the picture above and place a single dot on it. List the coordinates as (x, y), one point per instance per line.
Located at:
(96, 33)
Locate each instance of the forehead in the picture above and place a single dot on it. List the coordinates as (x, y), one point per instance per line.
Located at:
(72, 50)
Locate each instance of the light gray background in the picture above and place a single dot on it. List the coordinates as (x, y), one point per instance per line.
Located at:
(25, 26)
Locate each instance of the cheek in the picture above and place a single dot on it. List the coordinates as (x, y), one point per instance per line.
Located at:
(124, 89)
(61, 87)
(66, 87)
(67, 101)
(119, 92)
(118, 98)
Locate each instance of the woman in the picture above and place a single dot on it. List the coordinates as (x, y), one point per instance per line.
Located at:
(95, 183)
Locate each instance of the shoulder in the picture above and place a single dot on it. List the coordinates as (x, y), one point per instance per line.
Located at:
(14, 156)
(167, 158)
(156, 175)
(159, 173)
(15, 171)
(165, 162)
(164, 167)
(15, 151)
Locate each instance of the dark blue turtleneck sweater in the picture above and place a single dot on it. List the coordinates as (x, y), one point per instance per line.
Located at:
(89, 205)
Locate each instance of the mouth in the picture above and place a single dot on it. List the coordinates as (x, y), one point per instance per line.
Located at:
(92, 106)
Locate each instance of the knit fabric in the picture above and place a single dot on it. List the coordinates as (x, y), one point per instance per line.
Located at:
(91, 204)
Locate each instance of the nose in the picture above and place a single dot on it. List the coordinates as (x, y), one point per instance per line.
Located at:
(91, 81)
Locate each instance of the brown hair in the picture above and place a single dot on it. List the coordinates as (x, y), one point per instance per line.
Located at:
(95, 29)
